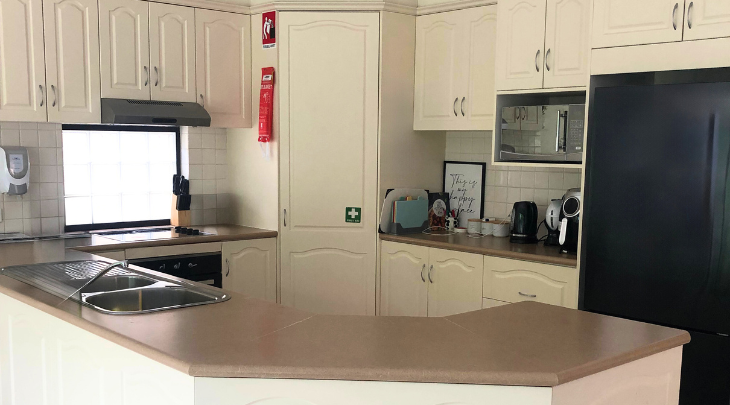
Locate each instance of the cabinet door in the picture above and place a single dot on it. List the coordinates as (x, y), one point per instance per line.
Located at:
(125, 52)
(630, 22)
(403, 288)
(328, 251)
(478, 58)
(455, 280)
(23, 81)
(707, 19)
(515, 280)
(72, 64)
(223, 67)
(520, 43)
(437, 91)
(566, 43)
(249, 268)
(172, 52)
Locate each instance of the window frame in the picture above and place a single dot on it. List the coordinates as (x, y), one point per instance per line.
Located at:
(127, 128)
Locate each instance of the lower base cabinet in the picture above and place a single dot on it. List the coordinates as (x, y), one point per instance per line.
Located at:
(509, 280)
(421, 281)
(249, 267)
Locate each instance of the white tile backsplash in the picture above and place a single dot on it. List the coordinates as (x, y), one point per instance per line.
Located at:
(505, 184)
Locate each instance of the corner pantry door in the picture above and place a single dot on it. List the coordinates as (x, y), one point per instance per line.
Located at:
(329, 137)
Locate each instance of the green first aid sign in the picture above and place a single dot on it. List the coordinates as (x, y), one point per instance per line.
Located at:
(353, 214)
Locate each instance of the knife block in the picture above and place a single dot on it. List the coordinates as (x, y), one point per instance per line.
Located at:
(179, 218)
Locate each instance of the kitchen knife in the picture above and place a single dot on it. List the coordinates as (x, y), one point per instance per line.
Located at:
(176, 184)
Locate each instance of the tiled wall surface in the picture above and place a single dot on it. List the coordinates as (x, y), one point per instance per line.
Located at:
(506, 185)
(41, 210)
(203, 160)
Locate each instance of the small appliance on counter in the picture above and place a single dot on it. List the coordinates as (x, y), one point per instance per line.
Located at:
(523, 225)
(552, 222)
(14, 170)
(569, 221)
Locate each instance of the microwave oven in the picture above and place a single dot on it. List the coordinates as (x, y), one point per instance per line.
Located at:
(543, 133)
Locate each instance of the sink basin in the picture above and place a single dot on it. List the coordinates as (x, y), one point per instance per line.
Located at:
(147, 299)
(116, 283)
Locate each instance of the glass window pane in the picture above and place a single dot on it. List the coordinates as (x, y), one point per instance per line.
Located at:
(78, 210)
(77, 179)
(105, 179)
(134, 146)
(104, 146)
(161, 176)
(135, 207)
(106, 209)
(160, 206)
(136, 177)
(75, 147)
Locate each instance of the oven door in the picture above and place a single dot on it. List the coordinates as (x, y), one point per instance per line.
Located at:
(533, 134)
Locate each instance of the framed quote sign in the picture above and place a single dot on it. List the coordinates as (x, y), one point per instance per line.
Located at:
(464, 181)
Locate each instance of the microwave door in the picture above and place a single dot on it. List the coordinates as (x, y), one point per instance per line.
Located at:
(508, 156)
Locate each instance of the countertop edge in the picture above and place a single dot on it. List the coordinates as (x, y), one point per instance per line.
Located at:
(479, 250)
(111, 336)
(175, 242)
(598, 366)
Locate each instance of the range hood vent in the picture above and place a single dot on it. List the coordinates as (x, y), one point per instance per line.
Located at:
(147, 112)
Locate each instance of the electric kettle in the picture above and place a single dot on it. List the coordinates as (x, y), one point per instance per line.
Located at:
(523, 225)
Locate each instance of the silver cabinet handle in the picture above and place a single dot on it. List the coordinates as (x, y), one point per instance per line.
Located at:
(430, 269)
(689, 14)
(55, 97)
(228, 267)
(527, 295)
(146, 76)
(547, 59)
(456, 100)
(517, 114)
(537, 55)
(157, 77)
(462, 105)
(422, 270)
(284, 216)
(202, 100)
(674, 15)
(523, 113)
(40, 86)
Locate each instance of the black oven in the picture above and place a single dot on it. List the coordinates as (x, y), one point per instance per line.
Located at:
(203, 268)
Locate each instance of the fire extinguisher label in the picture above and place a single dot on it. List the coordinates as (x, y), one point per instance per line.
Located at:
(268, 29)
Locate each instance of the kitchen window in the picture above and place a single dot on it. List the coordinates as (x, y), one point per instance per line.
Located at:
(118, 176)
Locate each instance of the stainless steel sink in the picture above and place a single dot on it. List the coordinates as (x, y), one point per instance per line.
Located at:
(115, 283)
(150, 299)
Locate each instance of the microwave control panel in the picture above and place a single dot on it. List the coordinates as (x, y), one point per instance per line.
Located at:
(576, 124)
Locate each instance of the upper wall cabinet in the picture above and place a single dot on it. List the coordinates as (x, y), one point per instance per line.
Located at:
(125, 55)
(630, 22)
(542, 44)
(707, 19)
(72, 64)
(454, 87)
(223, 64)
(172, 52)
(22, 83)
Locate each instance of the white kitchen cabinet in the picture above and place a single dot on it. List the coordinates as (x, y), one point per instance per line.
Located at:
(510, 280)
(22, 82)
(567, 48)
(328, 264)
(490, 303)
(249, 267)
(630, 22)
(454, 86)
(172, 52)
(455, 282)
(125, 54)
(403, 284)
(520, 44)
(223, 67)
(421, 281)
(72, 60)
(706, 19)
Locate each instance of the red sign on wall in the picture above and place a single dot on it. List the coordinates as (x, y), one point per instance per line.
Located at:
(268, 29)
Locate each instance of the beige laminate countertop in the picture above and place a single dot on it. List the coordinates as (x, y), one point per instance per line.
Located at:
(220, 233)
(528, 344)
(489, 246)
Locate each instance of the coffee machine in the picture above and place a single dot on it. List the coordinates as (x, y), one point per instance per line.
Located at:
(552, 222)
(569, 221)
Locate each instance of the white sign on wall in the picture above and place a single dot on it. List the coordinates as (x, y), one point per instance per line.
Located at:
(464, 181)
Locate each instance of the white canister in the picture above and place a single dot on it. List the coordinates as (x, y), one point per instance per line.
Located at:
(501, 229)
(474, 226)
(487, 227)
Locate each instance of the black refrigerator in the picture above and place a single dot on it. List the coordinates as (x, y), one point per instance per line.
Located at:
(656, 214)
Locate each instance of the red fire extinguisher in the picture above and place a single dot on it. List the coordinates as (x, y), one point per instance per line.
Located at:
(266, 110)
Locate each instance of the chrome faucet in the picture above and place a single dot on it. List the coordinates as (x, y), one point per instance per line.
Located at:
(124, 264)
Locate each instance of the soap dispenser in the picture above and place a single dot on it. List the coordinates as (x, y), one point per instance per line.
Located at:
(14, 170)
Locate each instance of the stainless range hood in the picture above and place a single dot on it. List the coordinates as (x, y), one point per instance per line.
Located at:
(147, 112)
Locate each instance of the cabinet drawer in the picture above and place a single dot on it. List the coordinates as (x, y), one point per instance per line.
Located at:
(514, 280)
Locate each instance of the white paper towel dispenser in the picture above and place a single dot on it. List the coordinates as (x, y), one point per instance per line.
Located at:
(14, 170)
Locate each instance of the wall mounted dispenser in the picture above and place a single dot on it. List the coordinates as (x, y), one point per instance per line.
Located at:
(14, 170)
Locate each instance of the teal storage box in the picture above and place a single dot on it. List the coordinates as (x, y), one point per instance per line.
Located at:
(409, 216)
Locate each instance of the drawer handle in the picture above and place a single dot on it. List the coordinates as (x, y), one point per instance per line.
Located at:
(422, 270)
(228, 267)
(430, 269)
(527, 295)
(674, 16)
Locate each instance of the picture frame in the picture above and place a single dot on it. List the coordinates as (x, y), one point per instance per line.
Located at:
(464, 181)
